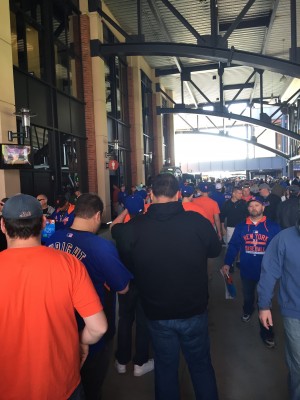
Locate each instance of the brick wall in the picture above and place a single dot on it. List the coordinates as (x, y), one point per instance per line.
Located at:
(89, 103)
(133, 132)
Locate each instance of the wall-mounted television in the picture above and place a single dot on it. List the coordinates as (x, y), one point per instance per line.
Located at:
(15, 156)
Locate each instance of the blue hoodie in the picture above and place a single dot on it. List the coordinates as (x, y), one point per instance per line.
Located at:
(281, 261)
(251, 241)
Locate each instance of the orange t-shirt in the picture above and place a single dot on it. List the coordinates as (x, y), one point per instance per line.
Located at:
(191, 206)
(39, 289)
(209, 205)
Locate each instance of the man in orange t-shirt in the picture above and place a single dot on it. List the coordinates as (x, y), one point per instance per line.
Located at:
(210, 206)
(39, 290)
(188, 204)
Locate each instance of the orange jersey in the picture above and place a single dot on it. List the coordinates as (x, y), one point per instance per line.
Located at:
(191, 206)
(39, 289)
(209, 205)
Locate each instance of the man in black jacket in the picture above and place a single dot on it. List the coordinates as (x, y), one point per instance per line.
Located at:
(271, 201)
(233, 212)
(168, 250)
(288, 211)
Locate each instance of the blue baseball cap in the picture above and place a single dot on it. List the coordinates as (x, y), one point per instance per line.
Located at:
(259, 199)
(134, 204)
(187, 191)
(204, 187)
(22, 206)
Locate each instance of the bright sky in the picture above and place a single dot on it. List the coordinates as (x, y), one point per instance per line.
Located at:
(195, 148)
(200, 147)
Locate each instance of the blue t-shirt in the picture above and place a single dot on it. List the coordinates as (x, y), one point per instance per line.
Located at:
(102, 262)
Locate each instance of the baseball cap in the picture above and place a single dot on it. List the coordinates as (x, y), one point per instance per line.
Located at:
(134, 204)
(187, 191)
(204, 187)
(264, 186)
(218, 186)
(142, 193)
(293, 189)
(22, 206)
(259, 199)
(60, 201)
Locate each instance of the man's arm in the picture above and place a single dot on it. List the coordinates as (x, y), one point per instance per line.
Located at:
(125, 290)
(119, 219)
(218, 225)
(233, 248)
(95, 327)
(265, 317)
(271, 271)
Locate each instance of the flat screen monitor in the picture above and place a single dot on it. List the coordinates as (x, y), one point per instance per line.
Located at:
(15, 156)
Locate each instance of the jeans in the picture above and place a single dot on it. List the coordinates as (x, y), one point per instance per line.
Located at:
(191, 336)
(292, 354)
(94, 370)
(129, 310)
(249, 288)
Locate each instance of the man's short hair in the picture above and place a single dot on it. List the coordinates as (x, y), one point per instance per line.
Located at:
(236, 188)
(87, 205)
(23, 228)
(165, 185)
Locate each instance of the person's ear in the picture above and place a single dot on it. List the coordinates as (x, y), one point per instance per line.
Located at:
(3, 229)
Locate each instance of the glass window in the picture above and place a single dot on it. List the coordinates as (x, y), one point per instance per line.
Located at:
(67, 48)
(27, 42)
(14, 39)
(61, 68)
(72, 154)
(33, 51)
(108, 89)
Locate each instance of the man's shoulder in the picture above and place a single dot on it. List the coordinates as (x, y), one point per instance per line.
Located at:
(273, 226)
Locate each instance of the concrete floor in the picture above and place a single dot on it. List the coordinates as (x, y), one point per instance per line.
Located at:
(245, 369)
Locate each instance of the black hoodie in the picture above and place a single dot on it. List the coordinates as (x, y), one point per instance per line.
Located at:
(167, 250)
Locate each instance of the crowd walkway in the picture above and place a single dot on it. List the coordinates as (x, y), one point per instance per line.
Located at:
(245, 368)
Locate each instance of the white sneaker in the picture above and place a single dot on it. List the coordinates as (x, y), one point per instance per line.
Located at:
(140, 370)
(121, 368)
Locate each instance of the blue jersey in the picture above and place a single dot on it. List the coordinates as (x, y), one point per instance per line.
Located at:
(251, 241)
(102, 262)
(63, 219)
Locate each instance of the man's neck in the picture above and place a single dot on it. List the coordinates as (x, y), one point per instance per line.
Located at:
(186, 199)
(164, 199)
(81, 224)
(23, 243)
(256, 219)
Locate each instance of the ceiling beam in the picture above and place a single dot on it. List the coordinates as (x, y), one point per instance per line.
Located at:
(238, 19)
(248, 23)
(195, 68)
(230, 116)
(239, 86)
(239, 57)
(184, 22)
(197, 132)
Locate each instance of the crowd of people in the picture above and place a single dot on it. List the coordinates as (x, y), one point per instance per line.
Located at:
(59, 287)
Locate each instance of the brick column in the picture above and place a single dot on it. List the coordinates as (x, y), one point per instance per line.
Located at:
(89, 103)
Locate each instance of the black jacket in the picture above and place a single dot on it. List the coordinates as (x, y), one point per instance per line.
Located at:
(234, 212)
(271, 203)
(288, 212)
(168, 249)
